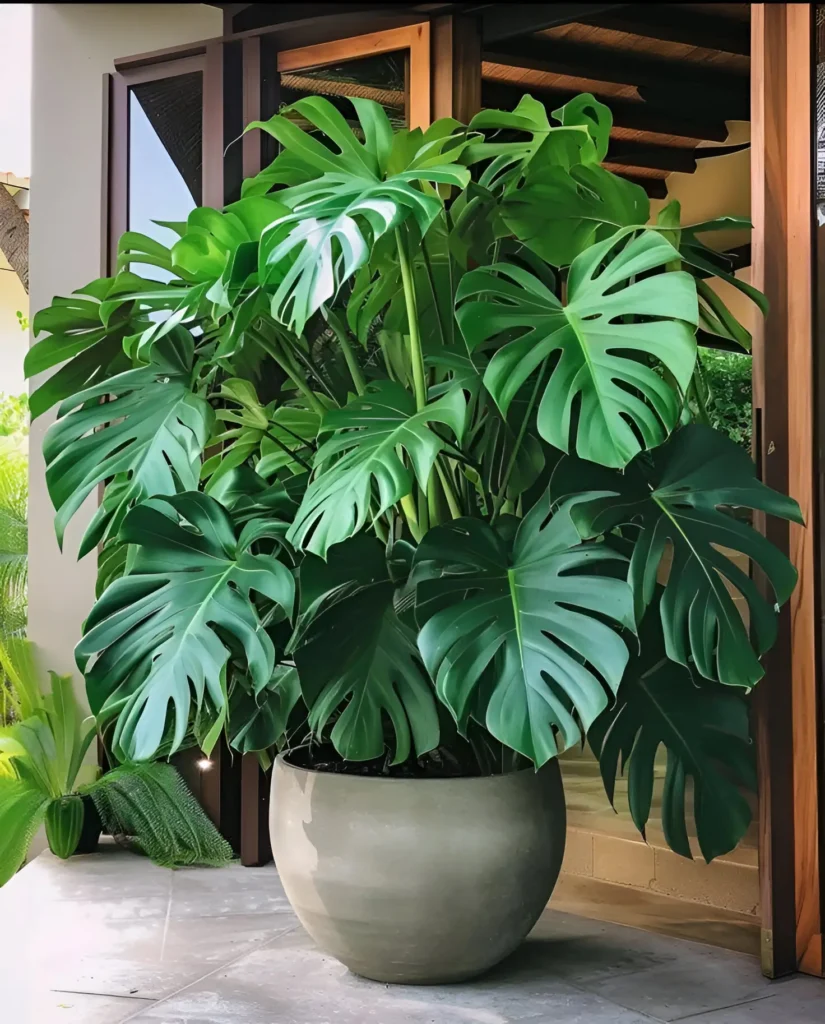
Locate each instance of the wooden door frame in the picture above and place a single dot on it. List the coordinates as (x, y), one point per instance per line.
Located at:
(788, 700)
(413, 38)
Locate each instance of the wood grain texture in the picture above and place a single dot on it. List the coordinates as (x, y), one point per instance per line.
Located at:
(415, 39)
(783, 407)
(801, 486)
(456, 67)
(774, 719)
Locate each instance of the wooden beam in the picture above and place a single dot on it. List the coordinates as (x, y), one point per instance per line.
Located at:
(456, 66)
(626, 113)
(503, 21)
(659, 158)
(807, 722)
(786, 700)
(675, 24)
(724, 92)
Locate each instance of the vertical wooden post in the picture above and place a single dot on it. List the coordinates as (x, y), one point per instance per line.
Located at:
(254, 792)
(782, 206)
(456, 66)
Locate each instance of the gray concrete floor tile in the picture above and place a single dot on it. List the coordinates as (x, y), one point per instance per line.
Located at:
(118, 977)
(699, 981)
(790, 1001)
(291, 982)
(114, 934)
(69, 1008)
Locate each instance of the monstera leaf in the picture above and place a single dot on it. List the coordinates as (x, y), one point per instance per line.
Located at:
(606, 336)
(85, 336)
(569, 201)
(356, 659)
(258, 720)
(349, 199)
(514, 627)
(369, 433)
(679, 500)
(705, 733)
(153, 430)
(158, 636)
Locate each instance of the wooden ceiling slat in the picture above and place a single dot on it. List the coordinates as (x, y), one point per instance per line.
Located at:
(683, 54)
(676, 24)
(644, 155)
(627, 114)
(723, 91)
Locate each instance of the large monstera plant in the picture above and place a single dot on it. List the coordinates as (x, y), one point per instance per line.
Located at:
(407, 459)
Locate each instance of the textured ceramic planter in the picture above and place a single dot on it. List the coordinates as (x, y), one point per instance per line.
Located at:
(420, 881)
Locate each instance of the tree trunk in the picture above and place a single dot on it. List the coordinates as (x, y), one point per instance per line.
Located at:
(14, 236)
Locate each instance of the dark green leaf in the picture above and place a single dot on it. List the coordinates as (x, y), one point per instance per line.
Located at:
(157, 634)
(152, 433)
(357, 661)
(514, 633)
(679, 498)
(706, 735)
(605, 352)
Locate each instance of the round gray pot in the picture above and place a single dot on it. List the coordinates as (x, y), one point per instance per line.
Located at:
(417, 881)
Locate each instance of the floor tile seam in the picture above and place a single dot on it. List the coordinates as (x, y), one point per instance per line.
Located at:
(103, 995)
(220, 967)
(619, 1006)
(728, 1006)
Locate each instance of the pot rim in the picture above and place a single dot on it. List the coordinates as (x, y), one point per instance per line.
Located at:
(283, 755)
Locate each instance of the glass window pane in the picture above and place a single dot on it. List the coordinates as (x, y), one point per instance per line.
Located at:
(165, 155)
(381, 78)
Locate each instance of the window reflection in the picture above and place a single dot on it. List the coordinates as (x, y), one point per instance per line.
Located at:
(381, 78)
(165, 155)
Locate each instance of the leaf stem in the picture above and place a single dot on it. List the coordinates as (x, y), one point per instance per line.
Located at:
(343, 340)
(511, 462)
(416, 357)
(290, 370)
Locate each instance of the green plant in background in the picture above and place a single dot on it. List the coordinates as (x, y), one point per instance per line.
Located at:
(727, 376)
(14, 415)
(41, 763)
(14, 491)
(396, 462)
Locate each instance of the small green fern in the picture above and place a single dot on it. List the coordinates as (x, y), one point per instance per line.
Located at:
(149, 807)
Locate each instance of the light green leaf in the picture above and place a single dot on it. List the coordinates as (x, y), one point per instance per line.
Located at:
(22, 810)
(89, 345)
(354, 198)
(359, 471)
(609, 336)
(154, 634)
(568, 201)
(153, 431)
(514, 627)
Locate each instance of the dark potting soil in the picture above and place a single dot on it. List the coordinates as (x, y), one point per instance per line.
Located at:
(438, 764)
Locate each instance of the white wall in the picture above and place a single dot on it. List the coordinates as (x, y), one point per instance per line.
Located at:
(73, 46)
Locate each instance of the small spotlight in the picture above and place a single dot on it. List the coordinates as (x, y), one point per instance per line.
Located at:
(204, 764)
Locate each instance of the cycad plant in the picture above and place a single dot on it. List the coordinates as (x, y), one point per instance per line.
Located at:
(401, 463)
(42, 769)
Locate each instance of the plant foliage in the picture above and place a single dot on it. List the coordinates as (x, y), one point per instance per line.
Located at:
(396, 458)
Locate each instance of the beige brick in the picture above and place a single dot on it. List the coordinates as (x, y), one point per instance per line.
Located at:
(719, 884)
(578, 853)
(623, 861)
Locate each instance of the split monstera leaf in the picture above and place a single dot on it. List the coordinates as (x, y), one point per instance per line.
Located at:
(407, 458)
